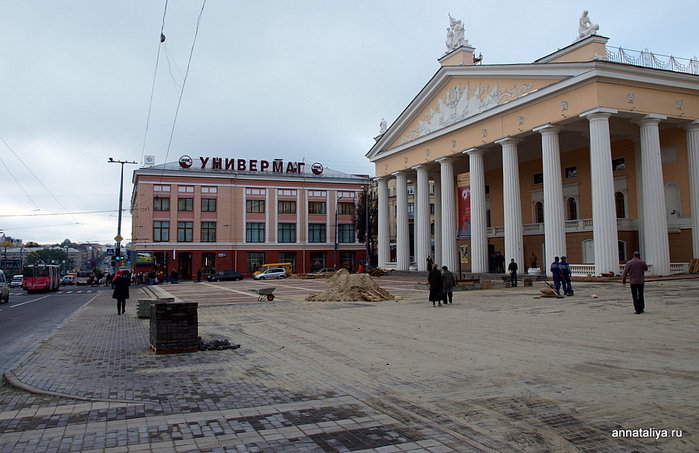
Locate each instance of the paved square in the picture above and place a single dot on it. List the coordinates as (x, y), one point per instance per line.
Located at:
(499, 370)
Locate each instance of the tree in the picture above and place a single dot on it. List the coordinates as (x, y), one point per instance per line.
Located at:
(31, 244)
(367, 199)
(48, 256)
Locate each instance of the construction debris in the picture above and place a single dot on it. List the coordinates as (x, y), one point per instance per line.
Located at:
(215, 345)
(351, 287)
(377, 272)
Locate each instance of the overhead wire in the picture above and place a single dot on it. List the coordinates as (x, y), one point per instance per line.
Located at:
(152, 89)
(17, 181)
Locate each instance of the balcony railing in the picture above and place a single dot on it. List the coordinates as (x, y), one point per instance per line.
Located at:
(648, 59)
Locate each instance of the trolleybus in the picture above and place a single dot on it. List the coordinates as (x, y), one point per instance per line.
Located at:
(40, 277)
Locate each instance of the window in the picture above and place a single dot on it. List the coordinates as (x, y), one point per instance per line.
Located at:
(487, 218)
(185, 204)
(539, 212)
(316, 207)
(159, 188)
(184, 231)
(208, 261)
(161, 231)
(622, 250)
(618, 164)
(185, 189)
(161, 204)
(316, 232)
(572, 208)
(255, 261)
(487, 189)
(411, 190)
(571, 172)
(345, 208)
(345, 232)
(208, 232)
(431, 208)
(286, 207)
(211, 190)
(288, 257)
(250, 191)
(411, 208)
(620, 205)
(208, 205)
(317, 193)
(317, 260)
(538, 178)
(255, 232)
(286, 192)
(255, 206)
(286, 232)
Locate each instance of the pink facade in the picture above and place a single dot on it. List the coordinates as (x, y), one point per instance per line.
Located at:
(195, 217)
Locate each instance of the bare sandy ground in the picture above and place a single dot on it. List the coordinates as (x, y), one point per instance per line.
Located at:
(499, 369)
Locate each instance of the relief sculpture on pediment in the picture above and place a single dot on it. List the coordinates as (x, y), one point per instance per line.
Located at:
(460, 102)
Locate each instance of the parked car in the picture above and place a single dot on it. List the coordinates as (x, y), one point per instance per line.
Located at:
(4, 289)
(326, 270)
(270, 274)
(67, 280)
(16, 281)
(221, 276)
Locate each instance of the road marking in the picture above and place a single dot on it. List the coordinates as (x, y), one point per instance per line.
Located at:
(29, 301)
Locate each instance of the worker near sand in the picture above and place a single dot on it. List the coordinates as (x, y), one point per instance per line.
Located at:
(634, 271)
(434, 278)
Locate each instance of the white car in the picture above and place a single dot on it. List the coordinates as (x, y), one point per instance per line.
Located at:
(273, 273)
(16, 281)
(4, 288)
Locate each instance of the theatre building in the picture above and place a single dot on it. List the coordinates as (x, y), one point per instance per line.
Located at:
(206, 213)
(590, 152)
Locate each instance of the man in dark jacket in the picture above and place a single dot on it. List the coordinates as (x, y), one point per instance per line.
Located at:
(634, 270)
(121, 290)
(434, 278)
(448, 283)
(512, 269)
(556, 272)
(564, 268)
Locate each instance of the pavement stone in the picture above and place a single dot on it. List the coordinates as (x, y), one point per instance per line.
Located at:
(292, 387)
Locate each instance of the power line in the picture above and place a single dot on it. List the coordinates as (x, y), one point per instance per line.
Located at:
(152, 88)
(15, 178)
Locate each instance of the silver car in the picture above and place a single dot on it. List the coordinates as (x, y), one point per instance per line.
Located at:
(269, 274)
(4, 289)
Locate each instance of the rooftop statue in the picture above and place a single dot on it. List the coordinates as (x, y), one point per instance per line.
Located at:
(586, 28)
(455, 34)
(383, 126)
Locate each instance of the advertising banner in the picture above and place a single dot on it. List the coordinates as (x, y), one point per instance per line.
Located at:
(464, 204)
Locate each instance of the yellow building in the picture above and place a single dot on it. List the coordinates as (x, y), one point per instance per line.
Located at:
(590, 152)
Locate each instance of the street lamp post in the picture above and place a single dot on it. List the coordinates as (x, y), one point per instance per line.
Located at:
(117, 252)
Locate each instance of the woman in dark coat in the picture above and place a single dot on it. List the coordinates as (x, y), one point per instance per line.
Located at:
(434, 278)
(121, 291)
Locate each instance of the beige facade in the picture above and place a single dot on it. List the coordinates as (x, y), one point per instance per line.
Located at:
(572, 155)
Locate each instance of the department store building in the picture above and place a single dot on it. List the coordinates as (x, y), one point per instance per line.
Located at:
(217, 213)
(590, 152)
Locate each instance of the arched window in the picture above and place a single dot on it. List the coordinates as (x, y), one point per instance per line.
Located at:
(539, 212)
(620, 205)
(572, 208)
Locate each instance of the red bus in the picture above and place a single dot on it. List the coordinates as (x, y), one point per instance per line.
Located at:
(40, 277)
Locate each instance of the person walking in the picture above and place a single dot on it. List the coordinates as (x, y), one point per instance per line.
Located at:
(512, 269)
(448, 283)
(533, 261)
(121, 291)
(429, 263)
(634, 271)
(564, 267)
(434, 278)
(556, 271)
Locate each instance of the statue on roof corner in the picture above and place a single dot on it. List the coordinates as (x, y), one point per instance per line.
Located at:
(586, 27)
(455, 34)
(383, 127)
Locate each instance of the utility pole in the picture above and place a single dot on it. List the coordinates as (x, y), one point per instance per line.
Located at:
(117, 253)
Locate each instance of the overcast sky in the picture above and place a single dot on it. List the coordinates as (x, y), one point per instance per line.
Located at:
(298, 80)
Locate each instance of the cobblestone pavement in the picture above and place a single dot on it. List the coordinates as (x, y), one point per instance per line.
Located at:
(498, 370)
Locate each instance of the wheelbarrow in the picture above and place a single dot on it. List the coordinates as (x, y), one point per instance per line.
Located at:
(264, 293)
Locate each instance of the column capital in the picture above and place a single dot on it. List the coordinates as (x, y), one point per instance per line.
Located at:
(508, 141)
(691, 127)
(395, 174)
(419, 167)
(445, 160)
(650, 119)
(599, 112)
(547, 129)
(474, 151)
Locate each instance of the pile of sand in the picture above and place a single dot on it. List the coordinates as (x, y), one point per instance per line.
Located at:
(351, 287)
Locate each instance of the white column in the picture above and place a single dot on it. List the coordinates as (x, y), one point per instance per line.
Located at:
(512, 204)
(479, 236)
(604, 228)
(654, 220)
(403, 231)
(554, 222)
(438, 219)
(449, 257)
(384, 240)
(693, 157)
(422, 217)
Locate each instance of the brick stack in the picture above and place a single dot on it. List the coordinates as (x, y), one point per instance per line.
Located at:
(173, 327)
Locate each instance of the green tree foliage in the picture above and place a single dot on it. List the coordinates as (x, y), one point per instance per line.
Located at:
(47, 256)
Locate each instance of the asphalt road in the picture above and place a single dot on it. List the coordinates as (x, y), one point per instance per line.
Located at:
(29, 318)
